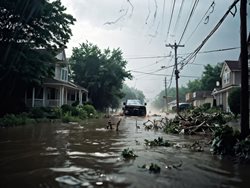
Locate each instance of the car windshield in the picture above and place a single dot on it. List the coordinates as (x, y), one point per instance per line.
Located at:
(134, 102)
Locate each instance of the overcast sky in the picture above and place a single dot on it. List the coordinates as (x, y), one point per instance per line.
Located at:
(142, 28)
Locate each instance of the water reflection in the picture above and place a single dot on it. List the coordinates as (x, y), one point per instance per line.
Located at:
(89, 155)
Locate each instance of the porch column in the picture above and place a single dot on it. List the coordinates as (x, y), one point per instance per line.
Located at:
(44, 96)
(87, 96)
(62, 95)
(75, 95)
(80, 97)
(33, 97)
(66, 96)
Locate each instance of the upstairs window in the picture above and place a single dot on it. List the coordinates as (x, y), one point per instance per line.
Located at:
(226, 76)
(64, 75)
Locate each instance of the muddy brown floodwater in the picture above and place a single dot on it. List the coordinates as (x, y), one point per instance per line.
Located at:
(88, 155)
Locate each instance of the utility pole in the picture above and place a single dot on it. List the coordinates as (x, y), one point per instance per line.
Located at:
(244, 106)
(175, 46)
(166, 93)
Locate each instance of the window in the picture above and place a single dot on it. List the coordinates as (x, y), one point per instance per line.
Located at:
(64, 75)
(226, 76)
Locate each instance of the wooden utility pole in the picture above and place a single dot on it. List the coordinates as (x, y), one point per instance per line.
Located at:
(244, 106)
(166, 93)
(175, 46)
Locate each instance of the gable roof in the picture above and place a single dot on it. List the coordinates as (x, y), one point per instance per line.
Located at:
(232, 65)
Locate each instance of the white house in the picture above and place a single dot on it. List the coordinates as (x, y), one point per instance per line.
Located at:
(58, 90)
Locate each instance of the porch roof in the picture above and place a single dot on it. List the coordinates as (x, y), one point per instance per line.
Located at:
(215, 92)
(54, 82)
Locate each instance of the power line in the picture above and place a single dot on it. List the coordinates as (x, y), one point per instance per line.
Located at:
(179, 16)
(149, 57)
(171, 17)
(196, 51)
(209, 8)
(165, 56)
(189, 18)
(153, 74)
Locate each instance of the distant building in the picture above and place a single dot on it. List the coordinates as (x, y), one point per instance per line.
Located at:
(199, 98)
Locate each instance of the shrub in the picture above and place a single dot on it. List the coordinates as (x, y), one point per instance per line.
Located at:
(224, 140)
(76, 103)
(82, 113)
(12, 120)
(67, 117)
(206, 106)
(66, 108)
(89, 109)
(234, 101)
(37, 113)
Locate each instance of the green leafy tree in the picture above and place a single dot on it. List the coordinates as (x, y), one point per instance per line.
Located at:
(102, 73)
(194, 85)
(160, 101)
(210, 75)
(26, 27)
(234, 101)
(132, 93)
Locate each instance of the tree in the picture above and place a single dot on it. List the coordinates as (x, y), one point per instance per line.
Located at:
(194, 85)
(26, 27)
(132, 93)
(102, 73)
(160, 101)
(234, 101)
(209, 76)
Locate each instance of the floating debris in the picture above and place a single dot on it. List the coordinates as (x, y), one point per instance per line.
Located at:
(153, 168)
(128, 154)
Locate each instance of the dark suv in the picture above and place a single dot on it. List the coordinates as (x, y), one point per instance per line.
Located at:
(134, 107)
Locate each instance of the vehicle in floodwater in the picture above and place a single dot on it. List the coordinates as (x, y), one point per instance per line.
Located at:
(134, 107)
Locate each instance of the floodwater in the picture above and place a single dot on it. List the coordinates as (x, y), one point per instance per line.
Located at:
(89, 155)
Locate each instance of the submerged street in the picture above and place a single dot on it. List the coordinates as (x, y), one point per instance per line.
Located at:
(89, 155)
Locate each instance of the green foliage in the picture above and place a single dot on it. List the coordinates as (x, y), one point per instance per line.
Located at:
(128, 154)
(67, 117)
(91, 112)
(206, 106)
(242, 150)
(83, 112)
(157, 142)
(234, 101)
(160, 102)
(224, 140)
(153, 168)
(37, 113)
(66, 108)
(132, 93)
(13, 120)
(102, 73)
(27, 26)
(194, 85)
(172, 126)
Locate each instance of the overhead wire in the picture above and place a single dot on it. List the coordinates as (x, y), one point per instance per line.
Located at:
(193, 54)
(171, 17)
(154, 74)
(209, 8)
(179, 16)
(188, 20)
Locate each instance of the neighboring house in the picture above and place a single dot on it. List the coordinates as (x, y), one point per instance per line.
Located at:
(199, 98)
(58, 90)
(230, 79)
